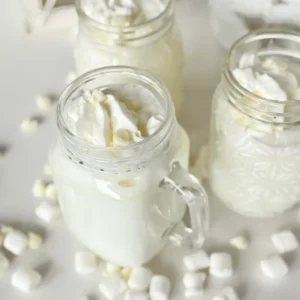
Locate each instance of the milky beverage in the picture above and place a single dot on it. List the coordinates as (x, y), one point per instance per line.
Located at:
(110, 203)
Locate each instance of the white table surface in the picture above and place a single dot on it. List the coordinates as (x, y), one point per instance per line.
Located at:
(30, 66)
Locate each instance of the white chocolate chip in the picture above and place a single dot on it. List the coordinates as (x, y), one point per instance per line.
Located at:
(39, 188)
(274, 267)
(4, 263)
(285, 241)
(220, 265)
(29, 125)
(48, 212)
(35, 241)
(239, 242)
(112, 287)
(196, 261)
(140, 278)
(44, 103)
(50, 192)
(160, 287)
(26, 279)
(194, 280)
(85, 262)
(15, 242)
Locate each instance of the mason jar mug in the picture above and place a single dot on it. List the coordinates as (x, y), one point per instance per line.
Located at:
(124, 203)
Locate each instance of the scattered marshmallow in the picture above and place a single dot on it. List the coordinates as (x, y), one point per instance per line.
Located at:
(4, 263)
(44, 103)
(194, 280)
(193, 292)
(220, 265)
(125, 273)
(140, 278)
(39, 188)
(134, 295)
(160, 287)
(71, 76)
(274, 267)
(227, 293)
(112, 268)
(35, 241)
(48, 212)
(285, 241)
(26, 279)
(50, 192)
(113, 286)
(85, 262)
(29, 125)
(48, 170)
(239, 242)
(15, 242)
(196, 261)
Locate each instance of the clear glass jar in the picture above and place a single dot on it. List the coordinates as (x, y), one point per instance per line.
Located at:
(124, 203)
(155, 46)
(231, 19)
(254, 145)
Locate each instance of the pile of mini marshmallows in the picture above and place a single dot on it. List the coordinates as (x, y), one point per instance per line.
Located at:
(219, 264)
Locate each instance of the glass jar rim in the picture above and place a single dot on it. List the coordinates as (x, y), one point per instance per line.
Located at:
(70, 140)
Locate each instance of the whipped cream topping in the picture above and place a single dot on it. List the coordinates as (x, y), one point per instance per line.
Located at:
(107, 120)
(123, 12)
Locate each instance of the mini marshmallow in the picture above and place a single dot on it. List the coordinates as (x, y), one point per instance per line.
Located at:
(48, 170)
(193, 292)
(220, 265)
(160, 287)
(134, 295)
(112, 287)
(112, 268)
(50, 192)
(125, 273)
(71, 76)
(140, 278)
(154, 123)
(26, 279)
(15, 242)
(44, 103)
(227, 293)
(196, 261)
(194, 280)
(285, 241)
(85, 262)
(4, 263)
(39, 188)
(47, 212)
(35, 241)
(239, 242)
(29, 125)
(274, 267)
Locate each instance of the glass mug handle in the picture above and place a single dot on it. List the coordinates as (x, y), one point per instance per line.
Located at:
(180, 181)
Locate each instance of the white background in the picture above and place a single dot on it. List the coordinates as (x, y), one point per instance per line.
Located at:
(31, 66)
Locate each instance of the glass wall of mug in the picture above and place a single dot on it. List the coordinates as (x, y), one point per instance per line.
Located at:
(255, 142)
(150, 41)
(123, 203)
(231, 19)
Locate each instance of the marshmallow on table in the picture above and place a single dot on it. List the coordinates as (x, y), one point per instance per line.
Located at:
(160, 287)
(134, 295)
(227, 293)
(196, 261)
(220, 265)
(15, 242)
(26, 279)
(44, 103)
(274, 267)
(194, 280)
(50, 191)
(113, 286)
(85, 262)
(47, 212)
(35, 241)
(239, 242)
(140, 278)
(4, 263)
(39, 188)
(285, 241)
(29, 125)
